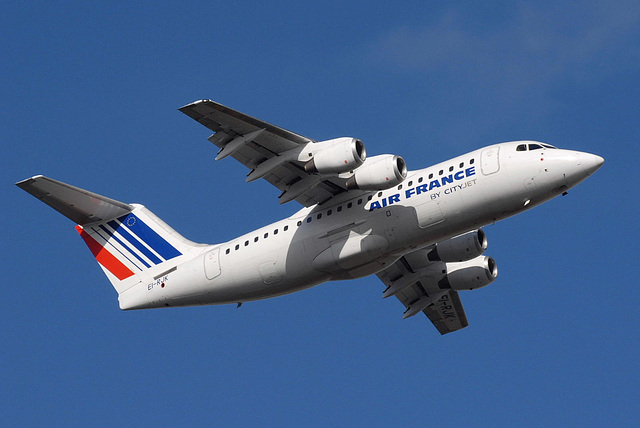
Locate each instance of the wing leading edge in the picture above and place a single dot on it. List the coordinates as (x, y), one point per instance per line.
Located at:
(270, 152)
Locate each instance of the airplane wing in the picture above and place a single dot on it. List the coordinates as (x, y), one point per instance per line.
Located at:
(447, 313)
(420, 291)
(263, 149)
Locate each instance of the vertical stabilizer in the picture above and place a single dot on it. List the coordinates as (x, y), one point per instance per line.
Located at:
(131, 244)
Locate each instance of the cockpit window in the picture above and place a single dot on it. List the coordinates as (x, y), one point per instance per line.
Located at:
(535, 146)
(521, 148)
(549, 146)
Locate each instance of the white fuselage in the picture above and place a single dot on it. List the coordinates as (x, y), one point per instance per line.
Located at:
(360, 236)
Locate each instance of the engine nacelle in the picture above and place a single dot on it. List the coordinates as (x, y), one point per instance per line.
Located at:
(460, 248)
(335, 156)
(470, 275)
(379, 173)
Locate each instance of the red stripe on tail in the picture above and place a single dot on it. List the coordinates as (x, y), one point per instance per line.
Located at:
(104, 257)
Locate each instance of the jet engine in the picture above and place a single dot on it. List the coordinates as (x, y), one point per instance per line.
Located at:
(470, 275)
(379, 173)
(335, 156)
(460, 248)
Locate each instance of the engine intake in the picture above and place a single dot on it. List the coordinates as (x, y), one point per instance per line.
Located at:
(379, 173)
(336, 156)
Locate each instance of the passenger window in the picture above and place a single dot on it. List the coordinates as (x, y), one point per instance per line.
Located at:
(339, 208)
(287, 227)
(309, 220)
(521, 148)
(420, 180)
(255, 239)
(450, 168)
(329, 212)
(400, 187)
(410, 183)
(246, 243)
(379, 194)
(299, 223)
(349, 205)
(461, 165)
(472, 161)
(370, 197)
(440, 172)
(430, 176)
(359, 201)
(319, 216)
(266, 235)
(237, 247)
(227, 252)
(275, 232)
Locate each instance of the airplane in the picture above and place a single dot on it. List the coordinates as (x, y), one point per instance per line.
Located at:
(419, 231)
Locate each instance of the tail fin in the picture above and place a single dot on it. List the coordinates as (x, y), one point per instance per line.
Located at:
(129, 242)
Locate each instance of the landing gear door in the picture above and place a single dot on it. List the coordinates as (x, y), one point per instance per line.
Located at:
(490, 161)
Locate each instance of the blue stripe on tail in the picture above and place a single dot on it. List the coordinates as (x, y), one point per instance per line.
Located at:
(149, 236)
(112, 235)
(133, 241)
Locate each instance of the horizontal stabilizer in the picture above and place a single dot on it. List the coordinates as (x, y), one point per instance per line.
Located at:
(81, 206)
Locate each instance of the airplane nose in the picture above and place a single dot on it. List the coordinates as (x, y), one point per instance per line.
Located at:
(581, 166)
(592, 163)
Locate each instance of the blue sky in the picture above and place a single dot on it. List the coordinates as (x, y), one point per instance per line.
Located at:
(90, 93)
